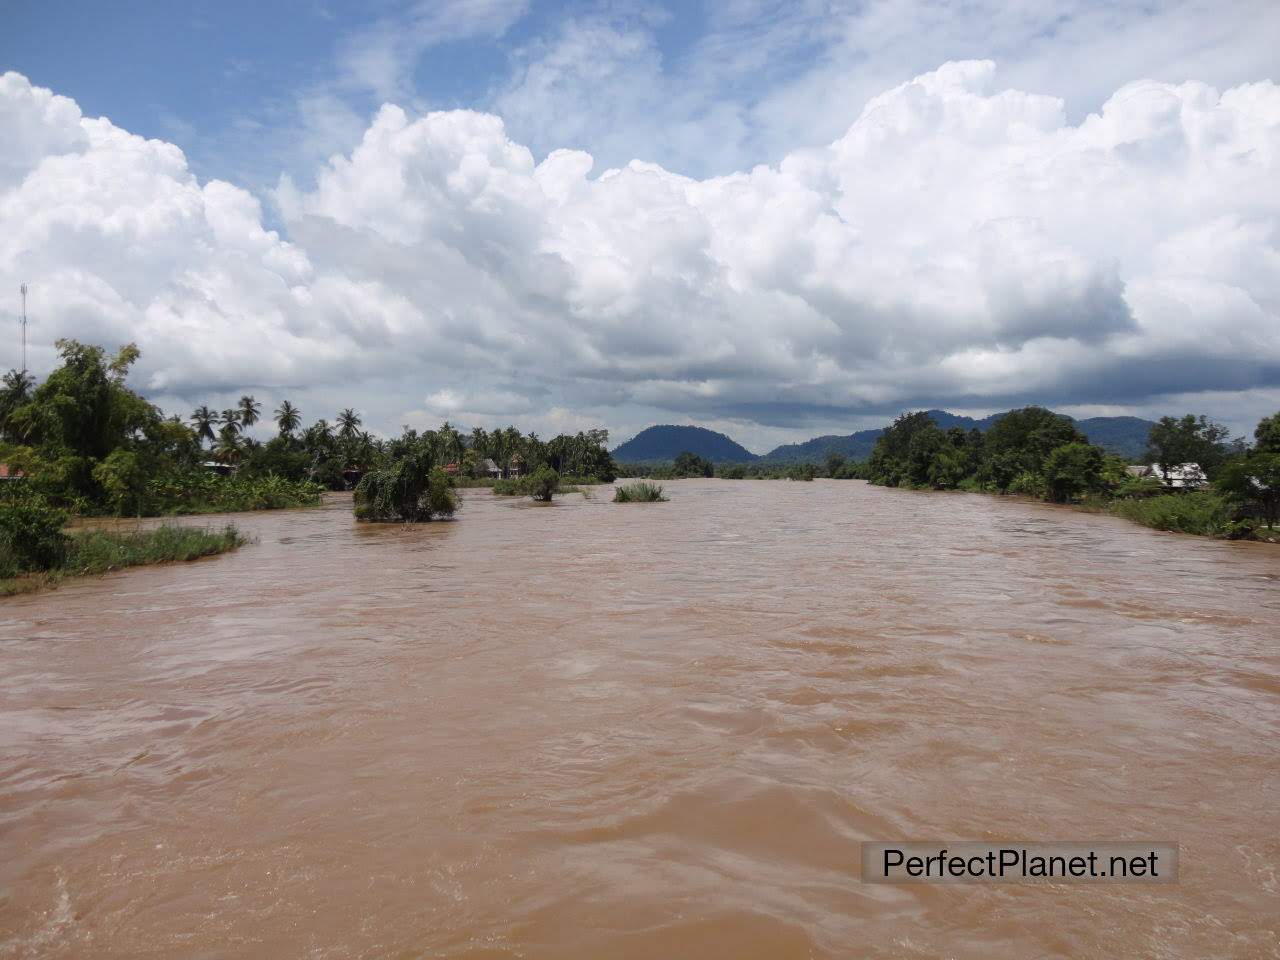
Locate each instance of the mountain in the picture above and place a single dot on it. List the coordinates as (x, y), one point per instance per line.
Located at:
(666, 442)
(1125, 436)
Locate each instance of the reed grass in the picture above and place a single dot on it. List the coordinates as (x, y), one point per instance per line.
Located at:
(640, 492)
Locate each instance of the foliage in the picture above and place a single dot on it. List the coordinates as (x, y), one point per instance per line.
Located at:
(205, 492)
(642, 491)
(1254, 477)
(1190, 439)
(543, 484)
(31, 536)
(98, 551)
(1072, 470)
(1199, 512)
(802, 471)
(410, 489)
(1020, 442)
(688, 464)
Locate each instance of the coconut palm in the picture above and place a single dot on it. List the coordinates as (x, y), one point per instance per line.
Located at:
(288, 418)
(230, 421)
(203, 419)
(249, 411)
(15, 392)
(348, 423)
(228, 449)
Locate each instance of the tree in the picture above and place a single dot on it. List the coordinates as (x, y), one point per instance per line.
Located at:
(411, 489)
(80, 415)
(889, 462)
(1072, 470)
(543, 483)
(1189, 439)
(203, 419)
(688, 464)
(230, 421)
(249, 411)
(348, 423)
(288, 418)
(1254, 477)
(15, 390)
(835, 461)
(1020, 441)
(1267, 434)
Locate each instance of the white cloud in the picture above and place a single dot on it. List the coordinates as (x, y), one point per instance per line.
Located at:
(959, 244)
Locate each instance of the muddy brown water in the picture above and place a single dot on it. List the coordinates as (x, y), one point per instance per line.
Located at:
(650, 730)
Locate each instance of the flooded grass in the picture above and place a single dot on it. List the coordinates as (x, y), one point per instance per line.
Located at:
(641, 492)
(92, 552)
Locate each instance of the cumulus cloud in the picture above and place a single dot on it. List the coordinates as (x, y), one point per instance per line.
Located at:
(960, 244)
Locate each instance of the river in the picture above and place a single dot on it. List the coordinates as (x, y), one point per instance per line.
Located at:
(586, 730)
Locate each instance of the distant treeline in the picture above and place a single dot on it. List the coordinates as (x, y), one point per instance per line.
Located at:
(86, 443)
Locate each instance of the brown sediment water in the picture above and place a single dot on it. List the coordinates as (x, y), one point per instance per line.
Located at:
(587, 730)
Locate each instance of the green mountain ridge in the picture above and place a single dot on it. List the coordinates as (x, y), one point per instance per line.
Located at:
(1125, 436)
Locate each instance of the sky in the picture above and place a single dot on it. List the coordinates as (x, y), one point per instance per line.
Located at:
(778, 220)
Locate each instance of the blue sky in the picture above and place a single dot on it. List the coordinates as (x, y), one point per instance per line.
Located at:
(772, 273)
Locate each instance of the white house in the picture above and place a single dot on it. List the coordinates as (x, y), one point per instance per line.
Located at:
(1185, 476)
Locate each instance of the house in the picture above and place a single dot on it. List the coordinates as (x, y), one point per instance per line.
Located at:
(516, 466)
(221, 469)
(488, 468)
(451, 468)
(1185, 476)
(10, 473)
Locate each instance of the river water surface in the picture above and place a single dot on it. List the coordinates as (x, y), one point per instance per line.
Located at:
(655, 730)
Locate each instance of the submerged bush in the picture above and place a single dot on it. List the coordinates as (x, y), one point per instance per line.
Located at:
(1193, 512)
(543, 484)
(511, 487)
(641, 492)
(409, 489)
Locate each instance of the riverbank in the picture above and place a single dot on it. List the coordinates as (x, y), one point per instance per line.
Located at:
(97, 551)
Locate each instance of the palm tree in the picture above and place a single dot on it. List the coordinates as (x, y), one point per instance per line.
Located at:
(288, 418)
(16, 391)
(228, 448)
(348, 423)
(230, 420)
(203, 419)
(249, 410)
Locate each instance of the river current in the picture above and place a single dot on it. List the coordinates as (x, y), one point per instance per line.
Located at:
(586, 730)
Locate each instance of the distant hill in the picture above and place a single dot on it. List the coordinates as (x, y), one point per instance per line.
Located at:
(1125, 436)
(666, 442)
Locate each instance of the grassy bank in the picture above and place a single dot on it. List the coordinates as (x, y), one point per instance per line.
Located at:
(91, 552)
(1200, 512)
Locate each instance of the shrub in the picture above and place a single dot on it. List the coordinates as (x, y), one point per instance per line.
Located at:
(511, 487)
(31, 533)
(641, 492)
(543, 484)
(1028, 484)
(1194, 512)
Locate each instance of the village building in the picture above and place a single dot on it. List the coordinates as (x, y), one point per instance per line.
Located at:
(1184, 476)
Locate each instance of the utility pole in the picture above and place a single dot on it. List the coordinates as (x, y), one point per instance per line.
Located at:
(23, 321)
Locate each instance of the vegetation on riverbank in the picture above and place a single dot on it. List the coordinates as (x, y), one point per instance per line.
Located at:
(41, 554)
(1036, 453)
